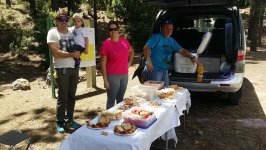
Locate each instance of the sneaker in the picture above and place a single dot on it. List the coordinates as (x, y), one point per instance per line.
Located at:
(72, 124)
(60, 128)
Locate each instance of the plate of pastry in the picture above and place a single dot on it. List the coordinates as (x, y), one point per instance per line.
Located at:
(97, 126)
(103, 122)
(125, 129)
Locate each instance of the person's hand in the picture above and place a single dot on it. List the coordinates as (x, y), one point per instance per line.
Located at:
(129, 64)
(106, 84)
(149, 67)
(195, 60)
(86, 51)
(75, 54)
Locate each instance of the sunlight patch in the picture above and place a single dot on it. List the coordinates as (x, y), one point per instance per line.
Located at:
(257, 123)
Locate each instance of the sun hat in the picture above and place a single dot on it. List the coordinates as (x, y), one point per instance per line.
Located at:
(77, 16)
(62, 12)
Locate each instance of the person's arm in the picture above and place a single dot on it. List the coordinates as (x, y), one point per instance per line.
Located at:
(186, 53)
(86, 39)
(103, 65)
(131, 56)
(147, 56)
(60, 53)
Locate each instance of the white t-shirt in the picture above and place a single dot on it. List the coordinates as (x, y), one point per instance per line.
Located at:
(79, 34)
(63, 41)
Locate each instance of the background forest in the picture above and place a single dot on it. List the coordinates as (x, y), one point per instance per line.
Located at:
(210, 125)
(29, 34)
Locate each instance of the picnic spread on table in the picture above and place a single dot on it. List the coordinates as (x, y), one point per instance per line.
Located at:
(152, 111)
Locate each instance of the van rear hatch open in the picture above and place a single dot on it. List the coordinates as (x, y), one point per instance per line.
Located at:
(182, 3)
(195, 10)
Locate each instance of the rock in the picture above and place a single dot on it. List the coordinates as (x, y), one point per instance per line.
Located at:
(197, 142)
(21, 84)
(201, 133)
(82, 78)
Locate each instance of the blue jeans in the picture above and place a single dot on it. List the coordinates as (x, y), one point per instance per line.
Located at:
(157, 75)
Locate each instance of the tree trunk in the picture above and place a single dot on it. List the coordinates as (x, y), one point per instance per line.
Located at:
(254, 25)
(32, 7)
(8, 3)
(54, 5)
(95, 21)
(250, 24)
(262, 12)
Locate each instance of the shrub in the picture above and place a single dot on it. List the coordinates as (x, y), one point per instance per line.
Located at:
(138, 19)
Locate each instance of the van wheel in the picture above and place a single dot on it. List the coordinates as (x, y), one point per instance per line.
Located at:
(234, 98)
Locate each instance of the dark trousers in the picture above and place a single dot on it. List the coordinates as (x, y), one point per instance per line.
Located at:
(67, 86)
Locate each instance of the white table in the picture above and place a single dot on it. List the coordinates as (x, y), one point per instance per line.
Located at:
(167, 118)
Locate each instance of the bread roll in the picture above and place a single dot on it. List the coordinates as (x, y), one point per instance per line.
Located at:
(103, 119)
(119, 115)
(126, 126)
(119, 129)
(129, 101)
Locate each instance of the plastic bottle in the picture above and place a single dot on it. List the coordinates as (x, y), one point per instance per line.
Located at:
(200, 71)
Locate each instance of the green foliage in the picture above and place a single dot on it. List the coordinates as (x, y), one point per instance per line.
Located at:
(244, 3)
(40, 29)
(138, 18)
(3, 24)
(16, 37)
(102, 4)
(109, 12)
(6, 16)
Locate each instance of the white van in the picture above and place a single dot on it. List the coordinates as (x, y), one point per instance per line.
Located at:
(223, 57)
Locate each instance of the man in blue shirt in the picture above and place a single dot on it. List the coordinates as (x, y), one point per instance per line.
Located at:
(158, 52)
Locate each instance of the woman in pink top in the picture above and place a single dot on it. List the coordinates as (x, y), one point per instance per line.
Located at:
(116, 56)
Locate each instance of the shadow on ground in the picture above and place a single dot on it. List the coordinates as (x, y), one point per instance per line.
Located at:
(46, 132)
(252, 57)
(90, 94)
(14, 68)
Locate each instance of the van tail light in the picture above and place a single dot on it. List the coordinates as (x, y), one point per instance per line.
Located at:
(241, 55)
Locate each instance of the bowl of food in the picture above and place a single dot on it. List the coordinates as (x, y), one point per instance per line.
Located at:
(140, 117)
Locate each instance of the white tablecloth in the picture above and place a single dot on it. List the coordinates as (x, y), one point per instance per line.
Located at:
(167, 118)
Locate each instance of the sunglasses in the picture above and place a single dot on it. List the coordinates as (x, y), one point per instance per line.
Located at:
(62, 19)
(113, 29)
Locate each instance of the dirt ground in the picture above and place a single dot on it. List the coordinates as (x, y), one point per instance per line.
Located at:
(212, 123)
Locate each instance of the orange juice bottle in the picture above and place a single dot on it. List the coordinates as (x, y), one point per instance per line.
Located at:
(200, 71)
